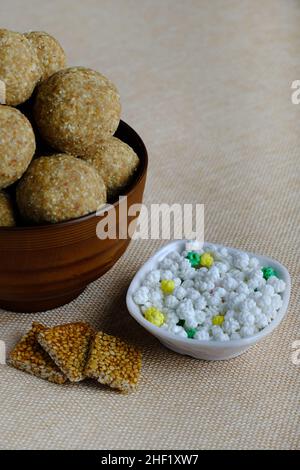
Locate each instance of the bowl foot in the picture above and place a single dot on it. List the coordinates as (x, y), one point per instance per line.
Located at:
(39, 305)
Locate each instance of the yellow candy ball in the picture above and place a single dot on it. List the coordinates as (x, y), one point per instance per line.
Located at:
(167, 286)
(218, 320)
(155, 316)
(206, 260)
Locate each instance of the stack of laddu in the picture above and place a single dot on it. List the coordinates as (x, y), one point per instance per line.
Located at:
(59, 159)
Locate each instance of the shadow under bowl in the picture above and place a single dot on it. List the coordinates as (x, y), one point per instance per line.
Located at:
(45, 266)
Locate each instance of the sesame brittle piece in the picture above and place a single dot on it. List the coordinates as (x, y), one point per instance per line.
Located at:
(114, 362)
(68, 345)
(30, 357)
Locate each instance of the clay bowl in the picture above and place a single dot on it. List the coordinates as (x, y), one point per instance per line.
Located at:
(46, 266)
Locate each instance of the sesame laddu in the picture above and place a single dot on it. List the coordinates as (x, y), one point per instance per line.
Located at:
(19, 67)
(114, 362)
(116, 162)
(68, 345)
(17, 145)
(30, 357)
(75, 109)
(49, 52)
(58, 188)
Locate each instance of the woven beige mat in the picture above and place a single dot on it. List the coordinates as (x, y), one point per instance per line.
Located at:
(208, 86)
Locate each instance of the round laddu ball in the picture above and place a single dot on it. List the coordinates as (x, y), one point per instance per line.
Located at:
(116, 162)
(50, 53)
(7, 217)
(17, 145)
(58, 188)
(75, 109)
(19, 67)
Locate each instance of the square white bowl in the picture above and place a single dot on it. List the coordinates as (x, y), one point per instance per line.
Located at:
(200, 349)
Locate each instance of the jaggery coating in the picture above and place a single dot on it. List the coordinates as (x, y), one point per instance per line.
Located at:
(75, 109)
(7, 217)
(19, 67)
(116, 162)
(17, 145)
(59, 187)
(50, 53)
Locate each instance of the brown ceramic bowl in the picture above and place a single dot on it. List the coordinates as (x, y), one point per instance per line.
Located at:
(43, 267)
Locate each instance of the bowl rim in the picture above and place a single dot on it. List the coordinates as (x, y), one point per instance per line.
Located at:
(164, 335)
(142, 169)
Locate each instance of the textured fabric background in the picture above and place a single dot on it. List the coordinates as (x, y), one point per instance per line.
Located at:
(207, 84)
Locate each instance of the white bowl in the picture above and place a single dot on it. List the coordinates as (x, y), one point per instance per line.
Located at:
(209, 350)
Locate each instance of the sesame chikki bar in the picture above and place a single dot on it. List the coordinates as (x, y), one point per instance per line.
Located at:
(68, 345)
(114, 362)
(30, 357)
